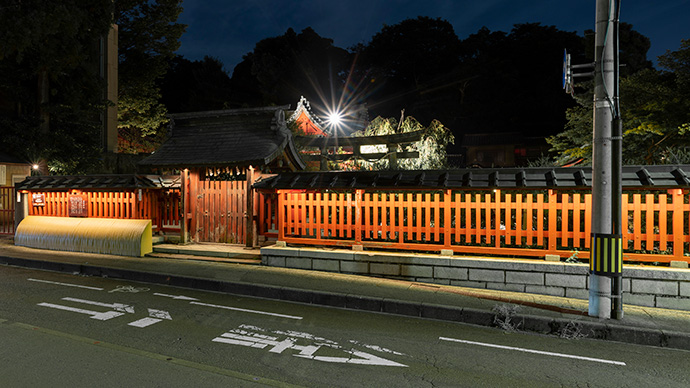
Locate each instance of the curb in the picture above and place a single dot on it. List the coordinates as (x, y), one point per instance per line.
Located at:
(528, 323)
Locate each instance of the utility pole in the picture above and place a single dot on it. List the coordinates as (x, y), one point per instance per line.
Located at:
(606, 249)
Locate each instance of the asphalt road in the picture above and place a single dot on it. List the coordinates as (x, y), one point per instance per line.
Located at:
(63, 330)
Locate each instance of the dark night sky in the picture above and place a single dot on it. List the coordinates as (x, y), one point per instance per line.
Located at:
(228, 29)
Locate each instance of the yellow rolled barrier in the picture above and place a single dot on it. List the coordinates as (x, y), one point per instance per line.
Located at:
(92, 235)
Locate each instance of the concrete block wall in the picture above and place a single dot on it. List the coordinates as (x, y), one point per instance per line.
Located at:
(642, 286)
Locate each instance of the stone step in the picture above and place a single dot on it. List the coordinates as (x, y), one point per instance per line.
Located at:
(247, 260)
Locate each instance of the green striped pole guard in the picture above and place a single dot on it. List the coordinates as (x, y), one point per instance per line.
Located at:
(606, 255)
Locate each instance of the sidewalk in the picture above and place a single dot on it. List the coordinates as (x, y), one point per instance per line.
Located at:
(237, 270)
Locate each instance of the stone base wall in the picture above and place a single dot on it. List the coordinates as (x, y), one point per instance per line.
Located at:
(642, 286)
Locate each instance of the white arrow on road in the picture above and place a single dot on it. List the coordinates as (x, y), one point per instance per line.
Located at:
(181, 297)
(94, 314)
(364, 359)
(155, 316)
(256, 339)
(116, 306)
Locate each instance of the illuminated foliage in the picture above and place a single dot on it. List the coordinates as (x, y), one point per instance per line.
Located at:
(431, 148)
(148, 37)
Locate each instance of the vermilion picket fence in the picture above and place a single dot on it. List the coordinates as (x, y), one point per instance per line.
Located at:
(162, 207)
(496, 222)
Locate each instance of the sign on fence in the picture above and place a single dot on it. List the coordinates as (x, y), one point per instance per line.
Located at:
(78, 205)
(38, 199)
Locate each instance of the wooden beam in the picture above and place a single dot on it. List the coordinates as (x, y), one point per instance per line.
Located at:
(379, 155)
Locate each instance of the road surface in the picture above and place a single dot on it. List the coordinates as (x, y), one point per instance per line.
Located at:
(59, 330)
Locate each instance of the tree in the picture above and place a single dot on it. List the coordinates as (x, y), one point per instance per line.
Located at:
(655, 107)
(512, 80)
(431, 148)
(50, 87)
(148, 38)
(190, 86)
(51, 93)
(413, 65)
(286, 67)
(633, 49)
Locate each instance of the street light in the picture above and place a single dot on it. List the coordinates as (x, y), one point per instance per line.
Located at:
(335, 118)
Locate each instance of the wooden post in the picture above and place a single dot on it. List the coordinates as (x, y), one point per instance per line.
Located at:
(280, 219)
(447, 218)
(678, 238)
(324, 159)
(249, 211)
(497, 224)
(358, 216)
(184, 193)
(392, 156)
(553, 219)
(192, 205)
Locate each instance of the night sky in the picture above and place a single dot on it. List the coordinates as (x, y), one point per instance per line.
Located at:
(228, 29)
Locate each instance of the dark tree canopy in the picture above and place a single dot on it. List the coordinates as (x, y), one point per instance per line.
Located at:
(192, 86)
(514, 80)
(489, 82)
(287, 67)
(412, 65)
(50, 89)
(633, 49)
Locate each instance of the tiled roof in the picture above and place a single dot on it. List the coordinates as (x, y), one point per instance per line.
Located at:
(237, 137)
(671, 176)
(303, 107)
(105, 182)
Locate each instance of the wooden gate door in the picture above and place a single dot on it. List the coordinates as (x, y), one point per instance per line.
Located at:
(220, 212)
(7, 210)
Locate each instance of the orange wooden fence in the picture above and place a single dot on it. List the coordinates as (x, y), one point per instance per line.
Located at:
(496, 222)
(170, 207)
(160, 206)
(267, 214)
(7, 210)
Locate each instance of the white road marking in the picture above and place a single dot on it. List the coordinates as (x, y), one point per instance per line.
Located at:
(365, 359)
(182, 297)
(160, 314)
(129, 289)
(246, 310)
(94, 314)
(155, 316)
(534, 351)
(116, 306)
(64, 284)
(257, 340)
(143, 322)
(377, 348)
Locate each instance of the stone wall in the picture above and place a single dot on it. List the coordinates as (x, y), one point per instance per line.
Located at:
(642, 286)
